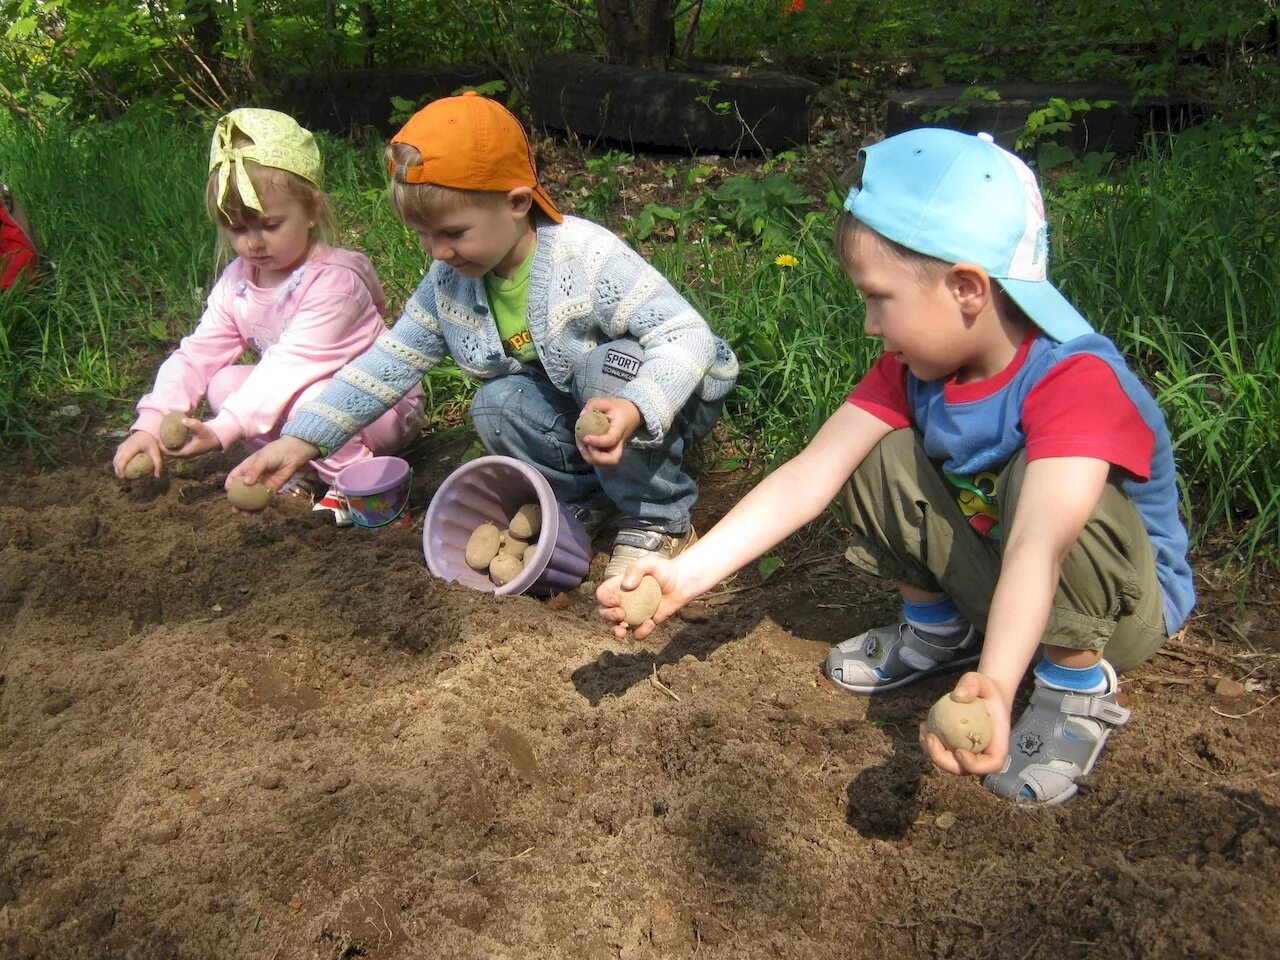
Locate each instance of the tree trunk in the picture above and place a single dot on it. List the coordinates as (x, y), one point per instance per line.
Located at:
(331, 32)
(637, 33)
(369, 27)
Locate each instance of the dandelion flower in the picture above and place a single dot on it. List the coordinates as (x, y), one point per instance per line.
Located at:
(785, 260)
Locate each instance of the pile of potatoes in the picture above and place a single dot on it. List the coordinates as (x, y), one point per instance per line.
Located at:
(501, 553)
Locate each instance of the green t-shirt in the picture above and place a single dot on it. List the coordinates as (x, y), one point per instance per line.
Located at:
(509, 301)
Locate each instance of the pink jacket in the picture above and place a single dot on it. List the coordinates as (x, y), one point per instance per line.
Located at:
(306, 329)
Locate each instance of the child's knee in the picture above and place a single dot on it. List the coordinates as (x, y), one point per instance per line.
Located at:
(873, 485)
(896, 449)
(513, 417)
(491, 405)
(225, 382)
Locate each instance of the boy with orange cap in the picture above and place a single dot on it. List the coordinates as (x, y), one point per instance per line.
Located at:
(555, 315)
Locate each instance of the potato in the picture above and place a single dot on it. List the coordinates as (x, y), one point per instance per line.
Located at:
(504, 568)
(250, 498)
(512, 546)
(640, 604)
(527, 523)
(140, 465)
(172, 433)
(590, 424)
(960, 726)
(482, 546)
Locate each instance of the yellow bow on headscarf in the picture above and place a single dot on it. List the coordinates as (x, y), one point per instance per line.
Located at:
(276, 140)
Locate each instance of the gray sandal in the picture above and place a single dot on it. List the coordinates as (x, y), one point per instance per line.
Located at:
(1055, 742)
(889, 657)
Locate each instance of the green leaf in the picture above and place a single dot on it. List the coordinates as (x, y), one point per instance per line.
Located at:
(21, 29)
(768, 566)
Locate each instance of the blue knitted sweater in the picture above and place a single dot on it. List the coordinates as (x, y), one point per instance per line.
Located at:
(586, 287)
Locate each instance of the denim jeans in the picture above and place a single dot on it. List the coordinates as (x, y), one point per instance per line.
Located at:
(523, 415)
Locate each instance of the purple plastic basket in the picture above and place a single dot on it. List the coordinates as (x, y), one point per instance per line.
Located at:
(493, 489)
(377, 490)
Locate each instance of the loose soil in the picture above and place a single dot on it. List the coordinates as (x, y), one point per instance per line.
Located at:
(264, 737)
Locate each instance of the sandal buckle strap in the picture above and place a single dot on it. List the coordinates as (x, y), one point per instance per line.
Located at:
(912, 642)
(1094, 707)
(1108, 712)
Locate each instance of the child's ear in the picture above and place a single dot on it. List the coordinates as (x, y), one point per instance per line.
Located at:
(520, 201)
(971, 286)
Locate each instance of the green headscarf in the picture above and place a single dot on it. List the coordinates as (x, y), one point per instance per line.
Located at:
(276, 140)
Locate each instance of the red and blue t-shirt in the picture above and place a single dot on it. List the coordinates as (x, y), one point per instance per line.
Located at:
(1073, 399)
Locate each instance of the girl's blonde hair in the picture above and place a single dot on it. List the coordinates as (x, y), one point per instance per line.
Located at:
(266, 181)
(419, 204)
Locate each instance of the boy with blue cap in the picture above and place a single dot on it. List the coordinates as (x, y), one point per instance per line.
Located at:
(999, 461)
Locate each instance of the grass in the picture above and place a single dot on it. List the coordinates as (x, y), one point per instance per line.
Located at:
(1175, 256)
(1179, 259)
(119, 209)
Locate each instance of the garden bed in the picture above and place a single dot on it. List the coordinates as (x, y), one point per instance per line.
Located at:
(265, 737)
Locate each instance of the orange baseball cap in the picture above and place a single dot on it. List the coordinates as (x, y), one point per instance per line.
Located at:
(471, 143)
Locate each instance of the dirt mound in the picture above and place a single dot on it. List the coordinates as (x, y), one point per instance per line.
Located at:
(265, 737)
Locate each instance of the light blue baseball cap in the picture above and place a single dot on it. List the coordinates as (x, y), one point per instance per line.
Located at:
(960, 198)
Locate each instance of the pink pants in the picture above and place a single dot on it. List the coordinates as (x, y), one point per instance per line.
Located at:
(386, 435)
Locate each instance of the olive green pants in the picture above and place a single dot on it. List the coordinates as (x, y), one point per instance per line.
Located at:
(909, 527)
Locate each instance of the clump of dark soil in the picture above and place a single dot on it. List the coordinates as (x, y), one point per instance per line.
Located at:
(262, 736)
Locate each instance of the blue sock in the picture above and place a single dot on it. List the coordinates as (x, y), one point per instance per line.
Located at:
(936, 621)
(1076, 679)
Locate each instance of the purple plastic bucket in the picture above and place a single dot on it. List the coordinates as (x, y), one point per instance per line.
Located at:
(377, 490)
(493, 489)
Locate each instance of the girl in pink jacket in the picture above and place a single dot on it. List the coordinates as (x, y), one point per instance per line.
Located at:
(302, 307)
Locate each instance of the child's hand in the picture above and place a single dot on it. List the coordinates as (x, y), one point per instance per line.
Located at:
(605, 449)
(275, 463)
(200, 439)
(973, 686)
(664, 571)
(137, 442)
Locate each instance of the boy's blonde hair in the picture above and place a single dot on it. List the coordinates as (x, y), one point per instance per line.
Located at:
(418, 205)
(927, 269)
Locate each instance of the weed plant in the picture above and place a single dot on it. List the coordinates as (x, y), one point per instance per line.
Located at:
(1175, 256)
(120, 212)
